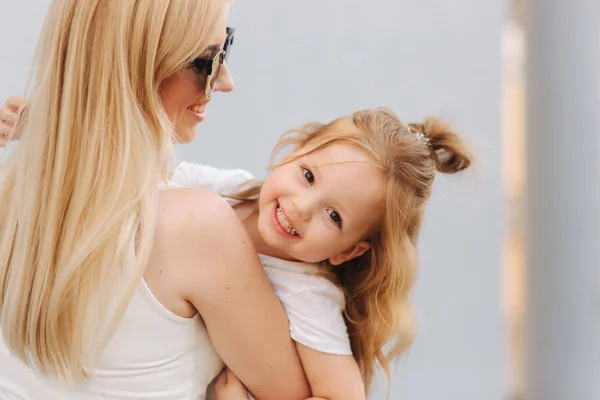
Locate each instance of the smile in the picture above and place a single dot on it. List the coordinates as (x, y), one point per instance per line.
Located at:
(199, 110)
(284, 224)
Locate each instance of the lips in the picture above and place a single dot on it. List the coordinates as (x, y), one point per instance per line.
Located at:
(199, 109)
(283, 223)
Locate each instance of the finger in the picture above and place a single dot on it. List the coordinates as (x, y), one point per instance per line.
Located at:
(230, 375)
(8, 117)
(4, 130)
(14, 103)
(7, 131)
(222, 378)
(233, 380)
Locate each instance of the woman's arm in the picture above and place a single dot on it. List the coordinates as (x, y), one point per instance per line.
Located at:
(220, 275)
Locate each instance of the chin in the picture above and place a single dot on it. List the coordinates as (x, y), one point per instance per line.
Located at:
(186, 136)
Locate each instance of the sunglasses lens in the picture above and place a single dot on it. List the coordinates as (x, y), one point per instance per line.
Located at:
(202, 69)
(207, 70)
(228, 42)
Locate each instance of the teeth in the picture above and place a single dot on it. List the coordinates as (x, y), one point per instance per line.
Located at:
(197, 109)
(284, 222)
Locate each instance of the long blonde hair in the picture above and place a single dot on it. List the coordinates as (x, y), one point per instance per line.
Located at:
(378, 285)
(79, 193)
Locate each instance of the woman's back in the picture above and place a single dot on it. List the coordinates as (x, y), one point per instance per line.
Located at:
(154, 354)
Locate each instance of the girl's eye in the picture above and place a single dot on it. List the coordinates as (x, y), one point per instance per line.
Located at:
(308, 176)
(335, 217)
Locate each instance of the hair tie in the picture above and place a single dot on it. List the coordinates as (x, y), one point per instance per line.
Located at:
(421, 137)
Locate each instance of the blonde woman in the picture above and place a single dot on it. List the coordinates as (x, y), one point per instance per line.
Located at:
(112, 285)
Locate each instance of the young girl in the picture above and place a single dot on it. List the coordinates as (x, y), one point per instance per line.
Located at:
(336, 225)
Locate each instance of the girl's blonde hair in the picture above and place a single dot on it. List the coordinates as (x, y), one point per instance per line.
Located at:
(377, 285)
(79, 193)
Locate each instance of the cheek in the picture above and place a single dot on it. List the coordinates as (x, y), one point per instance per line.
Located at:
(177, 93)
(265, 197)
(276, 185)
(322, 242)
(328, 241)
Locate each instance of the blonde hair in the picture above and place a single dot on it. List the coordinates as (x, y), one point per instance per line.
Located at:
(79, 194)
(378, 284)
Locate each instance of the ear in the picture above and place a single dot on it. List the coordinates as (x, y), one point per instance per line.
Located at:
(357, 250)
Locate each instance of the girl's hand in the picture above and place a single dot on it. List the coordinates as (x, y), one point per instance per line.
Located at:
(229, 387)
(9, 114)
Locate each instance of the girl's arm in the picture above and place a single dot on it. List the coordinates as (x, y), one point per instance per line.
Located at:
(314, 306)
(338, 378)
(330, 376)
(220, 275)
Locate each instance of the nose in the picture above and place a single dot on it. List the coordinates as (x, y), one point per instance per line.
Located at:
(224, 81)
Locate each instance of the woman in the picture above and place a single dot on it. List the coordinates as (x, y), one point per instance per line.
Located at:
(111, 284)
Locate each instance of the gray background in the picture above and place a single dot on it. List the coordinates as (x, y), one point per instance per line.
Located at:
(295, 62)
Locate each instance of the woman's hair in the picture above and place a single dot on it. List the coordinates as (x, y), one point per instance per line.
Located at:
(377, 285)
(79, 194)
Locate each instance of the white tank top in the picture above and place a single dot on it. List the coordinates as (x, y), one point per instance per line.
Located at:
(154, 354)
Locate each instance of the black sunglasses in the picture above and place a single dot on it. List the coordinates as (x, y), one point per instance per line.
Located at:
(208, 68)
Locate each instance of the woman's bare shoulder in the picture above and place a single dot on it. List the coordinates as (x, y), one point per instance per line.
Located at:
(191, 209)
(201, 234)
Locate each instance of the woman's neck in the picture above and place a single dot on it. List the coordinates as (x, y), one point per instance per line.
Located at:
(248, 214)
